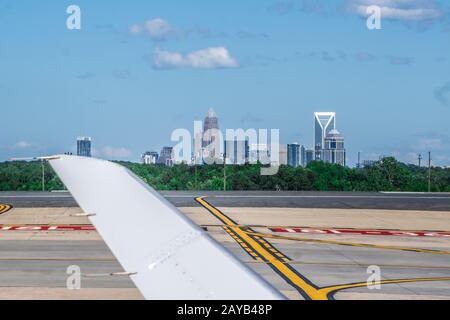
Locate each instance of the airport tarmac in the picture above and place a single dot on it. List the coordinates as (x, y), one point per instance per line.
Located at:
(261, 199)
(306, 253)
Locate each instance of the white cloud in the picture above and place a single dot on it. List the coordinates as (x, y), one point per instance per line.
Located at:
(114, 153)
(158, 29)
(209, 58)
(401, 10)
(22, 145)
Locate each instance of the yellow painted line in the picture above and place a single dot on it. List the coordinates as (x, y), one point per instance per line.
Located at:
(334, 289)
(4, 208)
(298, 281)
(352, 244)
(310, 290)
(393, 266)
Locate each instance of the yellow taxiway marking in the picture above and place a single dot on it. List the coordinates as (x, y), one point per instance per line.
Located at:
(329, 291)
(5, 208)
(352, 244)
(335, 264)
(308, 290)
(266, 254)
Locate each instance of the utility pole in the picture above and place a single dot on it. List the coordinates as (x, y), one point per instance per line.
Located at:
(359, 159)
(196, 184)
(429, 171)
(43, 174)
(420, 160)
(224, 172)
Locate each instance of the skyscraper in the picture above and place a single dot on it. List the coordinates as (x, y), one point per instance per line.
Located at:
(236, 151)
(84, 146)
(210, 124)
(259, 152)
(150, 157)
(166, 157)
(324, 123)
(283, 158)
(293, 155)
(211, 138)
(309, 156)
(303, 156)
(334, 150)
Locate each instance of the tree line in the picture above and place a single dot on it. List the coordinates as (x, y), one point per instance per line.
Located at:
(387, 174)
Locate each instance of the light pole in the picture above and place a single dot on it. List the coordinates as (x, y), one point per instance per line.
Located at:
(224, 172)
(43, 175)
(429, 171)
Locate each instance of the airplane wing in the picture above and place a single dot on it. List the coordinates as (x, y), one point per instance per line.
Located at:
(167, 255)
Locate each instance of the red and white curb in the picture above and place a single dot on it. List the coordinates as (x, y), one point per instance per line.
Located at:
(46, 228)
(363, 232)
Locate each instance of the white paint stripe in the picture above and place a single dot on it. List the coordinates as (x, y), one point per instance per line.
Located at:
(253, 196)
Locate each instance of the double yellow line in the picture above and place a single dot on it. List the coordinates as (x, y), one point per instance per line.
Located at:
(5, 208)
(256, 246)
(307, 289)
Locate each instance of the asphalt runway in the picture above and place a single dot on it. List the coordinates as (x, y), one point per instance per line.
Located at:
(36, 264)
(257, 199)
(33, 263)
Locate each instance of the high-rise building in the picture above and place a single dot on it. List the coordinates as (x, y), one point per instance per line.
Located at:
(150, 157)
(259, 152)
(309, 156)
(293, 155)
(334, 150)
(84, 146)
(236, 152)
(166, 156)
(283, 158)
(210, 141)
(324, 122)
(303, 156)
(210, 124)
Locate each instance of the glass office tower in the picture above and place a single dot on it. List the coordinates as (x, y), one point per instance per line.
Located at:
(84, 146)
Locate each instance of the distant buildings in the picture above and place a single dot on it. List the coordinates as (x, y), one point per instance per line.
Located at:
(150, 157)
(324, 122)
(236, 152)
(294, 155)
(283, 159)
(333, 149)
(368, 163)
(84, 146)
(259, 152)
(328, 142)
(210, 137)
(208, 149)
(309, 156)
(166, 157)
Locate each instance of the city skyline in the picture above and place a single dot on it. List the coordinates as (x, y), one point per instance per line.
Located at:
(213, 143)
(129, 80)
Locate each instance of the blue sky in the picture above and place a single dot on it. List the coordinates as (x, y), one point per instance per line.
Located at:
(137, 70)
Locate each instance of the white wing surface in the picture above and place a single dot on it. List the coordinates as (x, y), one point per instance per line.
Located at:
(167, 255)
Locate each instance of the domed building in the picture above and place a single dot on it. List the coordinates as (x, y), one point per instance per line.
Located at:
(334, 149)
